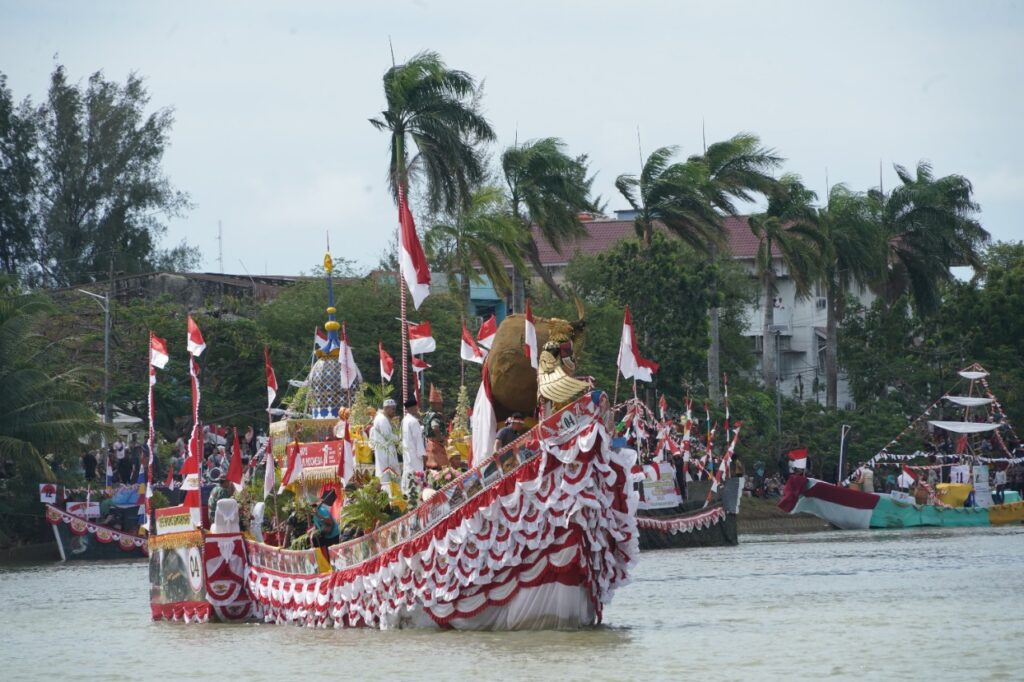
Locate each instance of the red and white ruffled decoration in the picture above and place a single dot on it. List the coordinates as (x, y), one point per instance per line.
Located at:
(687, 524)
(127, 541)
(547, 545)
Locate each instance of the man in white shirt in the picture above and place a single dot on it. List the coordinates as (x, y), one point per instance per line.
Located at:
(414, 448)
(384, 443)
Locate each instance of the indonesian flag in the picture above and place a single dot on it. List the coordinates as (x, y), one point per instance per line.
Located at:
(196, 345)
(294, 468)
(631, 364)
(798, 458)
(158, 355)
(419, 365)
(488, 330)
(235, 468)
(662, 406)
(271, 378)
(320, 339)
(190, 467)
(387, 364)
(484, 423)
(470, 351)
(347, 463)
(350, 373)
(907, 478)
(412, 261)
(421, 339)
(530, 337)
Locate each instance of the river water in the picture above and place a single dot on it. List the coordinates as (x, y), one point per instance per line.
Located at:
(918, 604)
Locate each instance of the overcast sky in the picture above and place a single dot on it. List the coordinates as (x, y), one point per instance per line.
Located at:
(271, 99)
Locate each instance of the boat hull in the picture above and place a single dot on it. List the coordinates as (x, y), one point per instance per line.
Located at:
(79, 539)
(679, 528)
(855, 510)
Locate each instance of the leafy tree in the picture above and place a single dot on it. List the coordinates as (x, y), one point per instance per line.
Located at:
(102, 192)
(42, 410)
(437, 110)
(737, 169)
(19, 173)
(473, 243)
(670, 194)
(785, 232)
(930, 225)
(549, 189)
(853, 255)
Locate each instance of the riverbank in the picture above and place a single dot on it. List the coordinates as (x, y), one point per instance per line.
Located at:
(758, 515)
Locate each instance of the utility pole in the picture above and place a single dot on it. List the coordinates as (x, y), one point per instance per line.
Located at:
(220, 247)
(778, 386)
(842, 452)
(104, 303)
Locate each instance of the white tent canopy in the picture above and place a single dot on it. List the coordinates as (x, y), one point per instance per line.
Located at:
(973, 375)
(965, 427)
(968, 401)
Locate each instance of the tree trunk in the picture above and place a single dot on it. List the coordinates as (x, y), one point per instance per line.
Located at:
(464, 290)
(832, 348)
(518, 292)
(714, 359)
(534, 255)
(768, 345)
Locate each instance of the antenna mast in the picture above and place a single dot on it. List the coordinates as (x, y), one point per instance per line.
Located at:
(220, 247)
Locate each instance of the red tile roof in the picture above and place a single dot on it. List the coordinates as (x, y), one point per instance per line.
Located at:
(604, 234)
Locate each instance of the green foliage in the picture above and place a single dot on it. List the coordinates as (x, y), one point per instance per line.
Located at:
(437, 110)
(366, 507)
(19, 174)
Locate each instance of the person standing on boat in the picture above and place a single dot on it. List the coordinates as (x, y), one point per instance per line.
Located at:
(89, 463)
(867, 479)
(435, 429)
(384, 443)
(413, 449)
(224, 489)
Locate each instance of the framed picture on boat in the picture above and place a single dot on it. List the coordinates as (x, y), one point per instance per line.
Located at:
(490, 473)
(472, 484)
(456, 495)
(525, 454)
(508, 461)
(439, 508)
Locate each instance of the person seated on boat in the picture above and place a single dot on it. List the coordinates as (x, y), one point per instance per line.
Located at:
(435, 430)
(508, 433)
(325, 531)
(413, 448)
(222, 490)
(384, 443)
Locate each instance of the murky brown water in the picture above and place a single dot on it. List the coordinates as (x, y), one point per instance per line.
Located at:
(923, 604)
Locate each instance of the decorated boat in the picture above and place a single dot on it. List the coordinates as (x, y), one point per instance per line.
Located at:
(538, 534)
(947, 484)
(80, 538)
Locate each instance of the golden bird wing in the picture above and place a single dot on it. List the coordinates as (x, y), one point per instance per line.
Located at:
(554, 384)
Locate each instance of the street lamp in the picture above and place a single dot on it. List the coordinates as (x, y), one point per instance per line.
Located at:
(104, 303)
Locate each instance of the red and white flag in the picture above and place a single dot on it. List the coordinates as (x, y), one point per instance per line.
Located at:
(663, 406)
(269, 475)
(530, 337)
(907, 478)
(470, 351)
(630, 362)
(488, 330)
(421, 339)
(235, 468)
(190, 467)
(196, 345)
(158, 355)
(411, 260)
(293, 470)
(320, 339)
(387, 364)
(350, 373)
(271, 378)
(797, 458)
(419, 365)
(484, 422)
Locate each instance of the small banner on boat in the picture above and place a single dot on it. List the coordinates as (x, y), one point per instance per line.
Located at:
(960, 474)
(48, 493)
(87, 510)
(659, 488)
(982, 491)
(173, 520)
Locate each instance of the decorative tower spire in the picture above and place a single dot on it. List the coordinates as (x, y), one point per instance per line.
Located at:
(331, 326)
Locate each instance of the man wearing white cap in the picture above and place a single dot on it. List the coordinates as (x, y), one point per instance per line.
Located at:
(385, 444)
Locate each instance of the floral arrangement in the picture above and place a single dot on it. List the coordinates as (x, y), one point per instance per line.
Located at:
(439, 478)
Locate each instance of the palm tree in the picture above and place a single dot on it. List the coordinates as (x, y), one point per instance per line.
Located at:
(475, 241)
(930, 226)
(547, 188)
(785, 232)
(437, 110)
(670, 194)
(41, 412)
(853, 255)
(733, 170)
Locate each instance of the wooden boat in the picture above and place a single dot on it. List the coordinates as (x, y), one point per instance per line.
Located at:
(537, 536)
(79, 539)
(693, 523)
